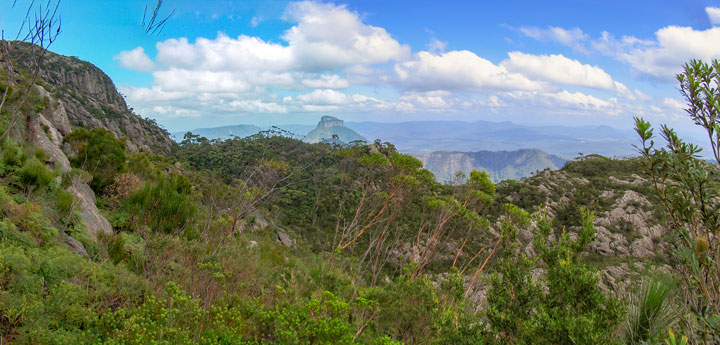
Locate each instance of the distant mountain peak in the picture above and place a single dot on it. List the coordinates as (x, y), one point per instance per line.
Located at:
(500, 165)
(330, 121)
(332, 128)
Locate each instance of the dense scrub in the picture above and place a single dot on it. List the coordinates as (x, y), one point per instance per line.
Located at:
(269, 240)
(194, 257)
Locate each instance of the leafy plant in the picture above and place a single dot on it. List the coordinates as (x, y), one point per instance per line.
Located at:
(651, 311)
(689, 189)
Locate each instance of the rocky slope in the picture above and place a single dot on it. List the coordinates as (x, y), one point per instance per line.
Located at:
(72, 93)
(84, 96)
(631, 235)
(500, 165)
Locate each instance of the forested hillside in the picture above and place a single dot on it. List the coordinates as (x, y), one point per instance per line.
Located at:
(111, 234)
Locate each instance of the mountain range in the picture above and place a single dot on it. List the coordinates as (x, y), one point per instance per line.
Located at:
(500, 165)
(420, 137)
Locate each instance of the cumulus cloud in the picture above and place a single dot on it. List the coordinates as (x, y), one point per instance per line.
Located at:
(436, 45)
(135, 59)
(558, 68)
(225, 53)
(674, 46)
(329, 36)
(225, 72)
(713, 14)
(674, 104)
(659, 58)
(319, 62)
(324, 97)
(461, 71)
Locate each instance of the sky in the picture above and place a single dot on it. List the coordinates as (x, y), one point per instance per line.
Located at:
(278, 62)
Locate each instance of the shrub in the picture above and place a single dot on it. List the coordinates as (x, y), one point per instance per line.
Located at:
(34, 173)
(689, 188)
(651, 311)
(165, 205)
(128, 248)
(98, 152)
(565, 305)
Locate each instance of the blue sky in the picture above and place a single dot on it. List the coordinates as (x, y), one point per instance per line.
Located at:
(279, 62)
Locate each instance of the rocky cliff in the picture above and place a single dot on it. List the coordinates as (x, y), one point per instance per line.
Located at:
(500, 165)
(328, 127)
(69, 93)
(84, 96)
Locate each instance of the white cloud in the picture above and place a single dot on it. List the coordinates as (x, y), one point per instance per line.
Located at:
(329, 36)
(257, 106)
(579, 99)
(331, 81)
(560, 69)
(459, 70)
(238, 74)
(135, 59)
(199, 81)
(329, 57)
(674, 104)
(674, 46)
(324, 97)
(224, 53)
(428, 100)
(436, 46)
(713, 14)
(660, 58)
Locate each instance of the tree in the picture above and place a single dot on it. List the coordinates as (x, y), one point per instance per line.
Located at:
(564, 305)
(689, 188)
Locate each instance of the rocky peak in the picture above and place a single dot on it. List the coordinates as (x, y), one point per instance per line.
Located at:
(82, 95)
(332, 130)
(330, 121)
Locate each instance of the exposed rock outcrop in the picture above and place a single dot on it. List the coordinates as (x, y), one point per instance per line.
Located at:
(330, 128)
(81, 95)
(93, 221)
(500, 165)
(75, 93)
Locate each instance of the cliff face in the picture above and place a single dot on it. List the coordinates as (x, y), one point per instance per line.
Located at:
(81, 95)
(74, 93)
(331, 126)
(500, 165)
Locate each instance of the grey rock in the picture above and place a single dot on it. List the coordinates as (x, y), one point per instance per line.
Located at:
(56, 157)
(284, 239)
(93, 221)
(74, 245)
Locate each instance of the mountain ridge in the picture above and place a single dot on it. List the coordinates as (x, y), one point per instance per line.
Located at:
(428, 136)
(500, 165)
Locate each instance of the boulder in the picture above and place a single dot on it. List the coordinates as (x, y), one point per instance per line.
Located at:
(93, 221)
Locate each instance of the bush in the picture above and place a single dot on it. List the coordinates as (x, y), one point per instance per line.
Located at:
(34, 173)
(98, 152)
(128, 248)
(165, 205)
(565, 305)
(651, 311)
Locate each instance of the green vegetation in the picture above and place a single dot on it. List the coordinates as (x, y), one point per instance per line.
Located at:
(689, 188)
(271, 240)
